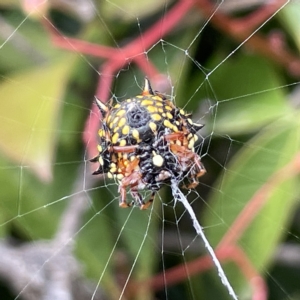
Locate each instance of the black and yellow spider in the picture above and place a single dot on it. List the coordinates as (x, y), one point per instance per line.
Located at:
(146, 141)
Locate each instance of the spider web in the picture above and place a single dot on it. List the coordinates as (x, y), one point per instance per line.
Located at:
(234, 236)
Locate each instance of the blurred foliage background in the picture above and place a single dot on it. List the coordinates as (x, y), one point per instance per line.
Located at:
(250, 108)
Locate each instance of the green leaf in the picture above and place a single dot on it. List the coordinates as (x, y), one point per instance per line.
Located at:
(96, 246)
(243, 93)
(249, 171)
(29, 113)
(290, 17)
(112, 234)
(25, 200)
(8, 3)
(139, 228)
(131, 11)
(24, 44)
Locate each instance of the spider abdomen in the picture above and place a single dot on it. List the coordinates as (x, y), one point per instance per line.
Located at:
(146, 141)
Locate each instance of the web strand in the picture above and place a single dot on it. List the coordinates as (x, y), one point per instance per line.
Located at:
(178, 196)
(174, 45)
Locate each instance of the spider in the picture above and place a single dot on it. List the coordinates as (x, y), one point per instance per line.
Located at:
(145, 142)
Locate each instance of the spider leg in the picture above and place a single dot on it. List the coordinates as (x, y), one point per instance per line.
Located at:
(149, 202)
(137, 196)
(138, 199)
(197, 171)
(122, 200)
(95, 159)
(124, 149)
(130, 180)
(189, 160)
(174, 136)
(201, 169)
(133, 181)
(192, 184)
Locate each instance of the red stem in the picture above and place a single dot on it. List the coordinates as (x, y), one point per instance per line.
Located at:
(76, 45)
(119, 57)
(135, 51)
(146, 66)
(259, 199)
(103, 89)
(238, 30)
(234, 253)
(159, 29)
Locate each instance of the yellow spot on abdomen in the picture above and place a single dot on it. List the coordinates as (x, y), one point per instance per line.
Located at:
(101, 161)
(121, 113)
(122, 143)
(191, 144)
(169, 115)
(158, 160)
(114, 121)
(101, 132)
(115, 137)
(125, 129)
(152, 109)
(120, 176)
(168, 124)
(157, 98)
(153, 126)
(122, 122)
(135, 134)
(175, 128)
(113, 170)
(147, 102)
(156, 117)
